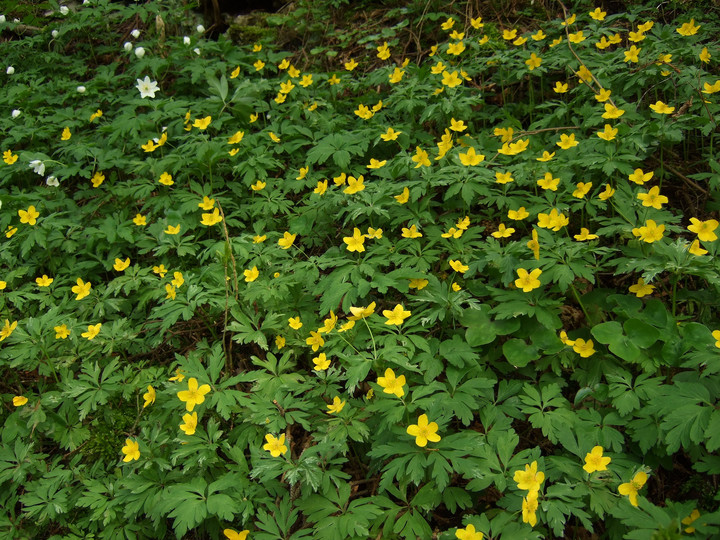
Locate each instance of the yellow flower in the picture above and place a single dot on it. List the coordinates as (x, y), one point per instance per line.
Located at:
(279, 342)
(518, 214)
(321, 362)
(598, 14)
(421, 158)
(258, 65)
(66, 134)
(178, 279)
(510, 34)
(315, 340)
(527, 281)
(336, 406)
(140, 220)
(639, 177)
(276, 447)
(564, 338)
(374, 233)
(97, 179)
(351, 64)
(172, 229)
(603, 95)
(584, 74)
(131, 450)
(236, 138)
(253, 117)
(451, 80)
(333, 80)
(233, 535)
(211, 218)
(9, 157)
(376, 164)
(609, 192)
(251, 274)
(411, 232)
(631, 55)
(453, 233)
(28, 216)
(418, 284)
(307, 80)
(321, 187)
(259, 238)
(548, 182)
(530, 478)
(354, 185)
(96, 114)
(170, 291)
(583, 348)
(383, 51)
(194, 395)
(476, 23)
(235, 72)
(295, 323)
(189, 424)
(641, 288)
(631, 488)
(705, 55)
(8, 329)
(608, 133)
(82, 289)
(695, 248)
(581, 189)
(44, 281)
(396, 76)
(687, 29)
(448, 24)
(149, 146)
(471, 158)
(503, 178)
(92, 331)
(652, 198)
(258, 186)
(166, 179)
(19, 401)
(391, 384)
(529, 507)
(611, 112)
(284, 64)
(690, 519)
(567, 141)
(160, 270)
(423, 431)
(662, 108)
(533, 62)
(390, 134)
(361, 312)
(149, 396)
(503, 232)
(704, 229)
(403, 197)
(396, 316)
(458, 266)
(287, 240)
(650, 232)
(585, 235)
(635, 37)
(202, 123)
(560, 88)
(121, 265)
(547, 156)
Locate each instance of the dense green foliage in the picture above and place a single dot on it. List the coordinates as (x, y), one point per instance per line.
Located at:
(440, 288)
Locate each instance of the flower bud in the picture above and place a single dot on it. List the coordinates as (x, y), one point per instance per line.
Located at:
(139, 52)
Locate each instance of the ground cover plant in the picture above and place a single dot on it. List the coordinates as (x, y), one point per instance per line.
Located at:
(455, 278)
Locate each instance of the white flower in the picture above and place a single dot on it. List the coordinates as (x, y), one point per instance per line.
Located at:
(127, 46)
(147, 87)
(139, 52)
(55, 34)
(186, 40)
(196, 50)
(135, 33)
(64, 10)
(52, 181)
(37, 166)
(2, 18)
(10, 70)
(15, 113)
(81, 89)
(200, 28)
